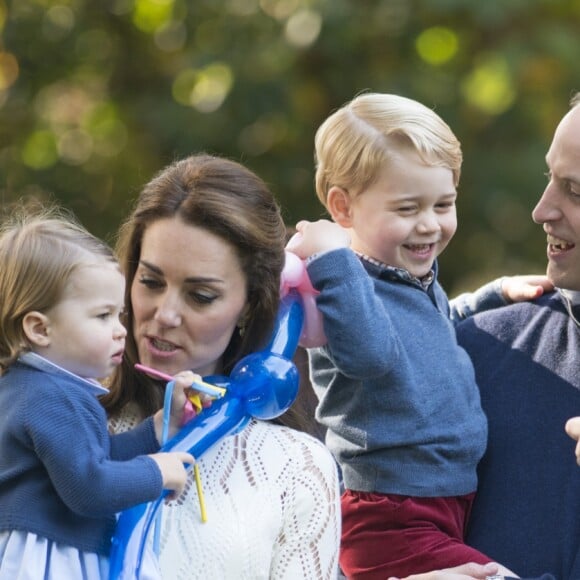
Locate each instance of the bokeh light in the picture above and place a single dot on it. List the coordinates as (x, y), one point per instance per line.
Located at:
(437, 45)
(489, 86)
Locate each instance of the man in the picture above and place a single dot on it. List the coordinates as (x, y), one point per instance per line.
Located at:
(527, 361)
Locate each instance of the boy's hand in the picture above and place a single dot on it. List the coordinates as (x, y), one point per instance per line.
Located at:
(173, 471)
(521, 288)
(317, 237)
(573, 429)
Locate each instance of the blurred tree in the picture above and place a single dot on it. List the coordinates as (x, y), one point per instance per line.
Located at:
(95, 97)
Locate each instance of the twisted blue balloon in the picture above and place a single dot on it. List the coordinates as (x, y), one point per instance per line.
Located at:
(262, 385)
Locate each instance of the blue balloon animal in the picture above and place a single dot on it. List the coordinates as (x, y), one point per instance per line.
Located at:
(262, 385)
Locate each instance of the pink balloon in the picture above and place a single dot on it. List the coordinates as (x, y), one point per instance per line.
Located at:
(294, 275)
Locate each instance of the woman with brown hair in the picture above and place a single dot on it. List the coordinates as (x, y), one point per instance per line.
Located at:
(203, 251)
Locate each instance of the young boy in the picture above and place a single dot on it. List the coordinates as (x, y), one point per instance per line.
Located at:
(396, 392)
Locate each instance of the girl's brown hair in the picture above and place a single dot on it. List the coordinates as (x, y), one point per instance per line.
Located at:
(39, 250)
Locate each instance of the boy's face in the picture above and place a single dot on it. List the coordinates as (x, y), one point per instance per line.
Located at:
(84, 328)
(407, 217)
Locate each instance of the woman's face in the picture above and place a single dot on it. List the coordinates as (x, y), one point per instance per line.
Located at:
(187, 295)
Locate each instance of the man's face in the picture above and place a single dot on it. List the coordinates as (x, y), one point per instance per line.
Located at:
(559, 207)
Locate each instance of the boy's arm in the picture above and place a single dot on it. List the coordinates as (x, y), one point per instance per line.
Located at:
(353, 316)
(351, 313)
(488, 297)
(498, 293)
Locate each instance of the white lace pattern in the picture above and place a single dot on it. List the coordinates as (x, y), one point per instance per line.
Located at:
(273, 510)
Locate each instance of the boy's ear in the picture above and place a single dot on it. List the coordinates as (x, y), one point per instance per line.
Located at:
(338, 203)
(36, 327)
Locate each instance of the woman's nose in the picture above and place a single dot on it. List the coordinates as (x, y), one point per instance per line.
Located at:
(168, 312)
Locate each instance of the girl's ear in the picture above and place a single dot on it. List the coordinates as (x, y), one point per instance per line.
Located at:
(339, 205)
(36, 327)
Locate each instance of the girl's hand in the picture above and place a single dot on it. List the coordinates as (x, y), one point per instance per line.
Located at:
(173, 470)
(317, 237)
(186, 401)
(522, 288)
(181, 407)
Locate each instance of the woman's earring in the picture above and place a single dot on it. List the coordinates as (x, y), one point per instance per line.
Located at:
(243, 321)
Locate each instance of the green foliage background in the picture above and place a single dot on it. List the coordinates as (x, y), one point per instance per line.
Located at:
(98, 95)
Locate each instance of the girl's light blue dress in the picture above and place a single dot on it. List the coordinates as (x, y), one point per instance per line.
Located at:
(27, 556)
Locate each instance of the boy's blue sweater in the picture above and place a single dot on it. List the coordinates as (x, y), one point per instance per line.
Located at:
(396, 392)
(527, 362)
(62, 476)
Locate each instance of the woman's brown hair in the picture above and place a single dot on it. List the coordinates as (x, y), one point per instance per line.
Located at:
(230, 201)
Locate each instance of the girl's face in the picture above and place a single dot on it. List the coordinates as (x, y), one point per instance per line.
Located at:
(407, 217)
(84, 334)
(188, 294)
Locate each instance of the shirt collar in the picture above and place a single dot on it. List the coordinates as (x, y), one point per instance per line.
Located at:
(572, 295)
(424, 281)
(40, 363)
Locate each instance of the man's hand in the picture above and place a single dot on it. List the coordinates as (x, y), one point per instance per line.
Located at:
(573, 429)
(469, 571)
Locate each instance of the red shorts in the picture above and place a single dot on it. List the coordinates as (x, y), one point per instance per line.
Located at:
(395, 535)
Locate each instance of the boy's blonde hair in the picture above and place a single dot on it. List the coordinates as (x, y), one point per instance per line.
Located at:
(39, 250)
(355, 142)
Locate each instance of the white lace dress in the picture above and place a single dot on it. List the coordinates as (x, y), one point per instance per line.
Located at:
(273, 510)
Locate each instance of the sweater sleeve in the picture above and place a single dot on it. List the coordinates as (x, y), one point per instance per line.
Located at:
(140, 440)
(67, 429)
(352, 314)
(488, 297)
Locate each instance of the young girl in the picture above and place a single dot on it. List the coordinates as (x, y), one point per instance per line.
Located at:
(62, 476)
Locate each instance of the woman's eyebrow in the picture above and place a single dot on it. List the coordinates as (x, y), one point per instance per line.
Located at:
(151, 267)
(190, 280)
